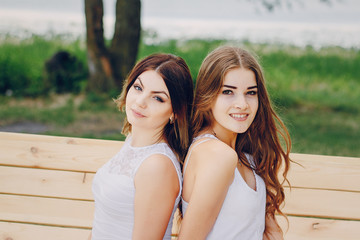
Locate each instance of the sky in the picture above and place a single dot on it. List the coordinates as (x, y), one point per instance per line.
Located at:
(344, 11)
(306, 21)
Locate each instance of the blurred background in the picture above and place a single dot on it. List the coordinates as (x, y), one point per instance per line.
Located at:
(309, 49)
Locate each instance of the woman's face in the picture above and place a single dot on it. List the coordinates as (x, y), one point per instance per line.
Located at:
(237, 103)
(148, 103)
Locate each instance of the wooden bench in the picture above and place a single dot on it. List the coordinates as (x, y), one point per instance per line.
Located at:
(45, 190)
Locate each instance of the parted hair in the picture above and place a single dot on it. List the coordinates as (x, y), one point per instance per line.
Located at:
(261, 140)
(177, 78)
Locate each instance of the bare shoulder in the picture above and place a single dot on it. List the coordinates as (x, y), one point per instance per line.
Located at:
(157, 174)
(214, 153)
(157, 164)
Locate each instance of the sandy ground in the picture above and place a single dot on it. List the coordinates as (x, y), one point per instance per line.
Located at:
(25, 127)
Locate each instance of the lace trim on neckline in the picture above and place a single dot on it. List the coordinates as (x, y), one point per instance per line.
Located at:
(128, 159)
(129, 141)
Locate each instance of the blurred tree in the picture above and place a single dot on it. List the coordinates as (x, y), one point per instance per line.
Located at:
(270, 5)
(108, 66)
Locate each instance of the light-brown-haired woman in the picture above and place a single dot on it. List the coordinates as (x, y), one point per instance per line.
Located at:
(231, 188)
(137, 192)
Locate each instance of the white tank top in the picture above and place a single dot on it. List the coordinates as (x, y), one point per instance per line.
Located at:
(242, 215)
(114, 191)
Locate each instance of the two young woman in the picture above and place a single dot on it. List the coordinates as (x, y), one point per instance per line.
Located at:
(230, 188)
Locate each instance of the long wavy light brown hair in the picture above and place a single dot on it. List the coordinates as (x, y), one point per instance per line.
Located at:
(261, 140)
(176, 75)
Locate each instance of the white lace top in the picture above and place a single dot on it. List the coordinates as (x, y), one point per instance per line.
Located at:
(242, 215)
(114, 191)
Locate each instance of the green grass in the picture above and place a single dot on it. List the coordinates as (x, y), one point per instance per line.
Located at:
(60, 116)
(65, 115)
(22, 61)
(316, 91)
(324, 132)
(328, 78)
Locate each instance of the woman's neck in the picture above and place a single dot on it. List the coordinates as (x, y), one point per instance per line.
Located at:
(142, 137)
(225, 136)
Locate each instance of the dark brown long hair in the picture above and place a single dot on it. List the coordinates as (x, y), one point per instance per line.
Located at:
(261, 140)
(177, 77)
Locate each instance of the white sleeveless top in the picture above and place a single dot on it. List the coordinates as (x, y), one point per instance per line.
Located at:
(114, 191)
(242, 215)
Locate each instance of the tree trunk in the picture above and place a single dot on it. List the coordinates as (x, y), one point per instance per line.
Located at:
(109, 67)
(100, 70)
(125, 42)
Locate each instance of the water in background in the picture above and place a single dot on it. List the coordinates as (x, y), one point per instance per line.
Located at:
(300, 33)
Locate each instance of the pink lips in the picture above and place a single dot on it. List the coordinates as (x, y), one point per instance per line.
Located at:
(137, 114)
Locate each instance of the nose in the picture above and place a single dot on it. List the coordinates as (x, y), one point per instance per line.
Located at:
(141, 101)
(241, 102)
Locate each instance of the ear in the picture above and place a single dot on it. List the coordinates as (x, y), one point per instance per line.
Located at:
(172, 118)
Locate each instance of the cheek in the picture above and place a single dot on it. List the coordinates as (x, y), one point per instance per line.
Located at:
(218, 110)
(129, 100)
(127, 106)
(257, 104)
(128, 96)
(254, 104)
(130, 90)
(221, 103)
(162, 112)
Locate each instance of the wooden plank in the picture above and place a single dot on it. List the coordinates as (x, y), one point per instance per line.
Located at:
(13, 137)
(300, 229)
(47, 211)
(319, 229)
(50, 183)
(49, 152)
(322, 203)
(325, 172)
(20, 231)
(305, 228)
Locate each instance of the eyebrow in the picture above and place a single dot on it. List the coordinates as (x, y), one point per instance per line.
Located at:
(142, 85)
(233, 87)
(156, 92)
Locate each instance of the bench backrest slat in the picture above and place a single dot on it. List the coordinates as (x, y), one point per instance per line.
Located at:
(325, 172)
(60, 153)
(322, 203)
(46, 183)
(304, 228)
(21, 231)
(46, 211)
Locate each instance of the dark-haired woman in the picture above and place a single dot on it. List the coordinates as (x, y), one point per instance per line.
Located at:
(137, 192)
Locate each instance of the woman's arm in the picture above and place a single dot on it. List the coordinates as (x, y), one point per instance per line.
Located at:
(156, 189)
(272, 229)
(214, 172)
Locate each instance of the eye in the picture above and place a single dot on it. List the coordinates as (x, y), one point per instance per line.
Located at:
(137, 87)
(253, 93)
(159, 99)
(227, 92)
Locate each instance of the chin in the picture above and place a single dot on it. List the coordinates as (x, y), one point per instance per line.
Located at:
(241, 131)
